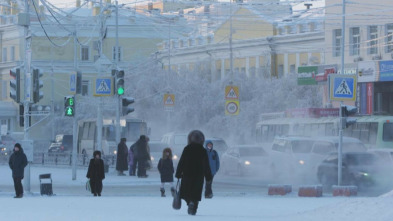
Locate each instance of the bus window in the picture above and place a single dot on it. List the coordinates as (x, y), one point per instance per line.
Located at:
(285, 129)
(373, 133)
(92, 128)
(271, 133)
(109, 133)
(364, 132)
(323, 148)
(387, 132)
(133, 130)
(264, 133)
(85, 130)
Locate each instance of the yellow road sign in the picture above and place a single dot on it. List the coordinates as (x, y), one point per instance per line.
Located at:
(232, 107)
(231, 92)
(169, 100)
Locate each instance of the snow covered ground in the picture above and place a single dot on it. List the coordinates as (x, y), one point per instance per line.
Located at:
(152, 207)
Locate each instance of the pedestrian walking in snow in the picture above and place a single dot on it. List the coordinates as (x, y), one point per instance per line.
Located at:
(192, 169)
(214, 163)
(165, 167)
(96, 173)
(17, 163)
(121, 160)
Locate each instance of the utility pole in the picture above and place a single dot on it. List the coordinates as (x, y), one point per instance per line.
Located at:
(27, 93)
(340, 131)
(99, 111)
(230, 39)
(75, 122)
(117, 58)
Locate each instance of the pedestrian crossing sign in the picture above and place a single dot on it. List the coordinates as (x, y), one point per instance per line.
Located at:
(169, 100)
(342, 87)
(231, 92)
(103, 86)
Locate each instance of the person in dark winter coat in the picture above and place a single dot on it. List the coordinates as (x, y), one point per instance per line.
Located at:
(17, 163)
(214, 163)
(193, 168)
(165, 167)
(122, 154)
(96, 173)
(141, 156)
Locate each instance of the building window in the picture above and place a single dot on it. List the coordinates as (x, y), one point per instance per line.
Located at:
(292, 69)
(373, 39)
(354, 41)
(389, 39)
(336, 42)
(119, 58)
(4, 55)
(85, 87)
(85, 53)
(12, 55)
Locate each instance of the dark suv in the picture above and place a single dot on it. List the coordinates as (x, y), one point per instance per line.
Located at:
(358, 168)
(63, 143)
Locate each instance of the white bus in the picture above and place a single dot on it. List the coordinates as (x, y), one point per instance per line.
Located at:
(131, 129)
(373, 131)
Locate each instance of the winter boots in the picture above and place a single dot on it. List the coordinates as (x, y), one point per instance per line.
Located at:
(173, 191)
(192, 207)
(162, 192)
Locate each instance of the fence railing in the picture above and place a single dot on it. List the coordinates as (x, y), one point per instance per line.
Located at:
(46, 158)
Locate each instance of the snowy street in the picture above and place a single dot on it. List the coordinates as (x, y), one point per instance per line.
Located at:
(130, 198)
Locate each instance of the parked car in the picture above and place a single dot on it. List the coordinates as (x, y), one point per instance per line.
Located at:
(300, 156)
(219, 144)
(358, 168)
(156, 148)
(8, 143)
(244, 160)
(62, 144)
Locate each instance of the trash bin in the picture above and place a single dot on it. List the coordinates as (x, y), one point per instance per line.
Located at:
(46, 184)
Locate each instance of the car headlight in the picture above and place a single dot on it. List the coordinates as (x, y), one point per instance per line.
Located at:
(174, 157)
(362, 174)
(247, 162)
(301, 162)
(115, 152)
(152, 158)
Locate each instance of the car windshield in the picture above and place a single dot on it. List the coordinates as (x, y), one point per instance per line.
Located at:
(219, 145)
(361, 159)
(180, 139)
(251, 151)
(302, 146)
(351, 147)
(156, 147)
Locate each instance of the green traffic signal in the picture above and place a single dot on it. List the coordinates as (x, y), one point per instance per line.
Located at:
(71, 101)
(120, 91)
(70, 111)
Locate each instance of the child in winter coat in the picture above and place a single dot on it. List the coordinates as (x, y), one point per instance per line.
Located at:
(165, 167)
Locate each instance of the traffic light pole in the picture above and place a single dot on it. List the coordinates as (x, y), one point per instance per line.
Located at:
(74, 127)
(99, 110)
(116, 62)
(27, 92)
(340, 146)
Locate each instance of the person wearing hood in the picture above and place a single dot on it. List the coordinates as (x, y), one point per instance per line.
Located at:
(214, 163)
(192, 169)
(141, 156)
(18, 162)
(96, 173)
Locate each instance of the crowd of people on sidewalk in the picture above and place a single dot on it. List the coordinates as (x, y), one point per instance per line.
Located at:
(197, 164)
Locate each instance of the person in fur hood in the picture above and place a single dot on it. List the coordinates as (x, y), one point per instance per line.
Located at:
(193, 169)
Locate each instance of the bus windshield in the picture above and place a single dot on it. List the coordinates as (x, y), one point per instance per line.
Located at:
(133, 130)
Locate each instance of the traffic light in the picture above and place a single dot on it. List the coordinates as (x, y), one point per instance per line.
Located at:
(69, 106)
(15, 84)
(120, 82)
(78, 82)
(125, 108)
(21, 115)
(346, 111)
(37, 85)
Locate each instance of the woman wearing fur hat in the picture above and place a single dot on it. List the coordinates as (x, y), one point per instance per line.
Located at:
(96, 173)
(165, 167)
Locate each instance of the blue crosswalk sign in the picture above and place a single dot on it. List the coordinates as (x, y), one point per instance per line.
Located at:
(103, 87)
(72, 82)
(342, 87)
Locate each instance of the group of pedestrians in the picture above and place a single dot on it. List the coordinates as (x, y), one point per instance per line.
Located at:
(196, 165)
